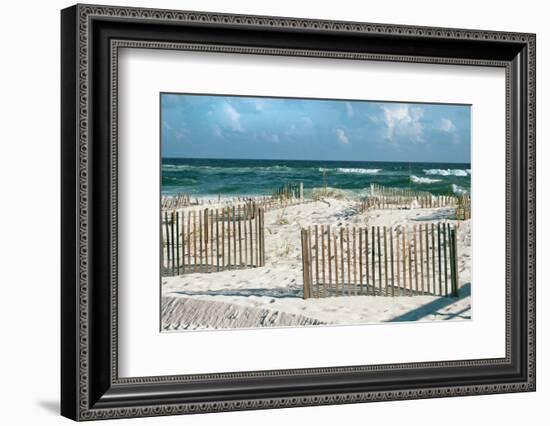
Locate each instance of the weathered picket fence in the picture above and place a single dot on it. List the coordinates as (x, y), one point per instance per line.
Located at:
(377, 190)
(258, 200)
(290, 190)
(271, 203)
(176, 201)
(406, 202)
(463, 207)
(212, 240)
(380, 261)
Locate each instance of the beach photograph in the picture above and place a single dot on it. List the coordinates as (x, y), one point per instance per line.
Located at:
(296, 212)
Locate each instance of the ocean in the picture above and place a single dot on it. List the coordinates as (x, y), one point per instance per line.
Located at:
(212, 177)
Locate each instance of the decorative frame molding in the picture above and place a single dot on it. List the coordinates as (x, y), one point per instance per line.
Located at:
(91, 37)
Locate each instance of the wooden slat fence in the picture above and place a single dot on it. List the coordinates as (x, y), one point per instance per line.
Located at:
(170, 202)
(176, 201)
(212, 240)
(182, 200)
(377, 190)
(464, 207)
(406, 202)
(380, 261)
(290, 190)
(259, 200)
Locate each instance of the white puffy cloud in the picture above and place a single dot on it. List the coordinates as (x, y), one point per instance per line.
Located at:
(233, 117)
(403, 122)
(341, 136)
(349, 109)
(447, 125)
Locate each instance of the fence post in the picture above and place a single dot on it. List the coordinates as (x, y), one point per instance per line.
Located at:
(183, 240)
(385, 262)
(310, 272)
(317, 259)
(360, 260)
(409, 249)
(228, 237)
(454, 259)
(367, 259)
(373, 258)
(305, 265)
(342, 259)
(161, 248)
(415, 260)
(250, 212)
(234, 237)
(263, 236)
(391, 263)
(173, 245)
(258, 237)
(206, 239)
(177, 241)
(427, 259)
(329, 260)
(200, 242)
(323, 259)
(212, 239)
(397, 260)
(421, 242)
(379, 260)
(348, 260)
(167, 240)
(239, 219)
(336, 263)
(355, 261)
(404, 257)
(217, 242)
(445, 258)
(439, 257)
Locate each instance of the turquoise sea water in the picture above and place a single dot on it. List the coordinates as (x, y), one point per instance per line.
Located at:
(211, 177)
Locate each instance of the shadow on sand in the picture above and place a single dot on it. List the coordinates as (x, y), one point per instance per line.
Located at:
(432, 308)
(277, 293)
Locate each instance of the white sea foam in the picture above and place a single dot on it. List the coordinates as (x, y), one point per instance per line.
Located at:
(233, 169)
(416, 179)
(459, 190)
(447, 172)
(359, 171)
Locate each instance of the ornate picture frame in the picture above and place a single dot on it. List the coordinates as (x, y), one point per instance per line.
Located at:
(91, 37)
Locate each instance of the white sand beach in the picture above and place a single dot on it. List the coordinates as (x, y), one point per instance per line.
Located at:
(271, 295)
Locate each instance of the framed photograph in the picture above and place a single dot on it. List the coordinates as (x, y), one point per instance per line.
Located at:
(263, 212)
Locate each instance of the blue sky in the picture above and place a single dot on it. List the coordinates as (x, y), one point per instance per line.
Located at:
(197, 126)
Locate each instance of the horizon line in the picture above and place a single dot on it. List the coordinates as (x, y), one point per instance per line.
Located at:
(328, 161)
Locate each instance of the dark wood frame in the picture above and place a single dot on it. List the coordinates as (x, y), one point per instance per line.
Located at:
(91, 37)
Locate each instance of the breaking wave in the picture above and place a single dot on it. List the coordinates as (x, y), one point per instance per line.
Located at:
(358, 171)
(416, 179)
(459, 190)
(201, 168)
(447, 172)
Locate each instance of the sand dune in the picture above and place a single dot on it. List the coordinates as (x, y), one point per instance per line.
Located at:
(271, 296)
